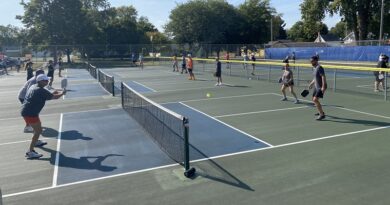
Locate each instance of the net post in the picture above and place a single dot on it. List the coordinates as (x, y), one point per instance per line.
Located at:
(298, 76)
(122, 96)
(334, 80)
(1, 198)
(113, 86)
(385, 86)
(189, 172)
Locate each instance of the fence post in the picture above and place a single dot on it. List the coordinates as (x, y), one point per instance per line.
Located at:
(385, 86)
(334, 80)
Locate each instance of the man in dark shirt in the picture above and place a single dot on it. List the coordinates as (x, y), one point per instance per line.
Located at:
(319, 82)
(34, 102)
(50, 73)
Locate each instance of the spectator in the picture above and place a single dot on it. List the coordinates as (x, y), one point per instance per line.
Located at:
(29, 69)
(218, 72)
(253, 58)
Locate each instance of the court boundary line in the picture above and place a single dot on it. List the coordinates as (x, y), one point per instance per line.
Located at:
(258, 112)
(204, 159)
(57, 159)
(211, 117)
(343, 108)
(218, 98)
(153, 90)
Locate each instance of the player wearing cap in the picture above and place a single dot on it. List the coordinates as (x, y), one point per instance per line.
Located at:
(319, 82)
(34, 102)
(23, 91)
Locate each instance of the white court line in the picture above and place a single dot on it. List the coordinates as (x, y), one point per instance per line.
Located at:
(227, 125)
(57, 160)
(257, 112)
(343, 108)
(299, 142)
(16, 142)
(364, 86)
(227, 97)
(86, 181)
(145, 86)
(205, 159)
(198, 88)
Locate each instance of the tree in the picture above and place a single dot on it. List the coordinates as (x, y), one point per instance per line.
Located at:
(9, 35)
(257, 15)
(296, 32)
(339, 30)
(313, 12)
(204, 21)
(360, 16)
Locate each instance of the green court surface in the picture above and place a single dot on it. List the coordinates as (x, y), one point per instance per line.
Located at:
(343, 159)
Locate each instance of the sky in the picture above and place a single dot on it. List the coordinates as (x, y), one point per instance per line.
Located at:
(158, 11)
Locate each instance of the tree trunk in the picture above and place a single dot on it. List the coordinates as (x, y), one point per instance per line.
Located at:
(363, 18)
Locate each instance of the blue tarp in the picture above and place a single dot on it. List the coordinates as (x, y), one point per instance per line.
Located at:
(345, 53)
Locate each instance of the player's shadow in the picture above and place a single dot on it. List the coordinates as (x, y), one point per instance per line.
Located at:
(66, 135)
(86, 162)
(356, 121)
(213, 171)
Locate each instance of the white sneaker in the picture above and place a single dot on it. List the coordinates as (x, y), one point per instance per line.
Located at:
(220, 83)
(28, 129)
(40, 143)
(217, 84)
(33, 155)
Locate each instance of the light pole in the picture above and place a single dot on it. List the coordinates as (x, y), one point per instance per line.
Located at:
(381, 25)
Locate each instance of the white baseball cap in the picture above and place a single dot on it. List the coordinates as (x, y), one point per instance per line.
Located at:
(42, 77)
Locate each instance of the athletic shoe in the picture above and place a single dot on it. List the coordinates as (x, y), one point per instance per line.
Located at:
(253, 73)
(40, 143)
(317, 114)
(28, 129)
(33, 155)
(320, 117)
(283, 99)
(296, 102)
(216, 84)
(220, 83)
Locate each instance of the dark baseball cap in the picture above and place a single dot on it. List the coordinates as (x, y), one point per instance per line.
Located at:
(314, 58)
(39, 71)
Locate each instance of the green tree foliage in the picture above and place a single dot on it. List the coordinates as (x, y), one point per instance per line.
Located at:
(360, 16)
(313, 12)
(9, 35)
(203, 21)
(216, 21)
(296, 32)
(339, 30)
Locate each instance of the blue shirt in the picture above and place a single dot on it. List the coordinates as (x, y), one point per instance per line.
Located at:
(35, 100)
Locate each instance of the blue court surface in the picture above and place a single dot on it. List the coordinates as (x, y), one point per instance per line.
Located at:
(78, 74)
(101, 143)
(85, 90)
(139, 87)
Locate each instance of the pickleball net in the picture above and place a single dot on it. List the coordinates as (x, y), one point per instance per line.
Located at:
(107, 81)
(167, 128)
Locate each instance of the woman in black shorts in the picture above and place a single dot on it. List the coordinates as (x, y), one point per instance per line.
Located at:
(218, 72)
(287, 81)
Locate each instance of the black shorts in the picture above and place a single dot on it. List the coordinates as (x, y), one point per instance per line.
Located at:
(218, 74)
(289, 84)
(51, 75)
(183, 66)
(318, 93)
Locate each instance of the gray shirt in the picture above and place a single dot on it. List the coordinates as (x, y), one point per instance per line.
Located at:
(26, 86)
(35, 100)
(317, 74)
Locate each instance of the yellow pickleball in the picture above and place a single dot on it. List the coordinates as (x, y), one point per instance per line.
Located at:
(208, 95)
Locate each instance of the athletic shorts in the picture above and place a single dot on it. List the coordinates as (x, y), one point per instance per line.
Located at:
(318, 93)
(189, 70)
(183, 66)
(31, 120)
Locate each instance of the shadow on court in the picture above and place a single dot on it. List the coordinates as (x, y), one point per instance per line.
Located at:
(356, 121)
(86, 162)
(66, 135)
(213, 171)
